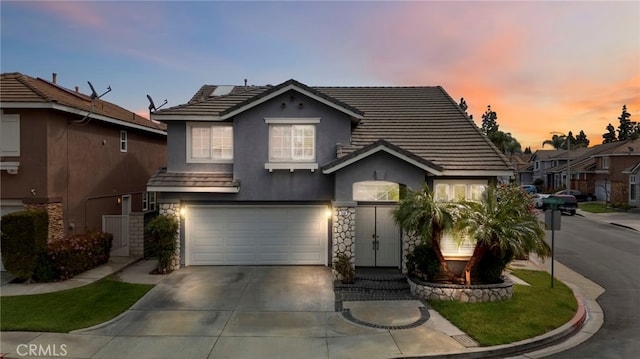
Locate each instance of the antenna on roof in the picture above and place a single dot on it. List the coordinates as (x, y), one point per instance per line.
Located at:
(152, 106)
(94, 94)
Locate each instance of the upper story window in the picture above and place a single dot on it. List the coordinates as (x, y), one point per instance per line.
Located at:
(605, 162)
(292, 143)
(10, 132)
(207, 142)
(123, 141)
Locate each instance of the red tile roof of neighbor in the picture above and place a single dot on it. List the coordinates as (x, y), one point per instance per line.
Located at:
(18, 88)
(423, 120)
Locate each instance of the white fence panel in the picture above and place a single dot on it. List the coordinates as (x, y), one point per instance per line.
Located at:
(118, 225)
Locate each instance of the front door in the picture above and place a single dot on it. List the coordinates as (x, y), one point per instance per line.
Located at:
(377, 237)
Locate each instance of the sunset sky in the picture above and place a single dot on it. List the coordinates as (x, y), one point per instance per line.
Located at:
(542, 66)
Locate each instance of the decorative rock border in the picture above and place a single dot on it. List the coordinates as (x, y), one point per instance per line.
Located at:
(424, 316)
(462, 293)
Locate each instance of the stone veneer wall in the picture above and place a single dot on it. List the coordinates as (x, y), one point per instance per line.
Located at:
(173, 209)
(56, 219)
(344, 234)
(408, 245)
(462, 293)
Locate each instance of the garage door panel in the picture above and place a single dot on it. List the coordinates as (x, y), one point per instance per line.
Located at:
(256, 235)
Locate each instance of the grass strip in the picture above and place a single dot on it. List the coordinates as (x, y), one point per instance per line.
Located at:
(70, 309)
(595, 207)
(532, 311)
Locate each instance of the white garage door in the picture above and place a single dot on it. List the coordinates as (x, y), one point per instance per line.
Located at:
(248, 235)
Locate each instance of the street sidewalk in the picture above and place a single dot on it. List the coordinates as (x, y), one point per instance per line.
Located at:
(630, 220)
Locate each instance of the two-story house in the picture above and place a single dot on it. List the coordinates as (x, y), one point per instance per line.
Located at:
(75, 155)
(615, 172)
(292, 174)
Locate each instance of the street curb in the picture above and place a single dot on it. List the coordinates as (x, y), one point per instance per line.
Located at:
(523, 346)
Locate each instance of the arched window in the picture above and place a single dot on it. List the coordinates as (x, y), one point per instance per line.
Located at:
(376, 191)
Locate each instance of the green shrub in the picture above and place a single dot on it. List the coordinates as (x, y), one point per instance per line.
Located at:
(423, 262)
(65, 258)
(163, 231)
(24, 238)
(342, 265)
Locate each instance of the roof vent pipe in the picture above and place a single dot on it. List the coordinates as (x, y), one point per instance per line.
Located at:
(54, 78)
(245, 84)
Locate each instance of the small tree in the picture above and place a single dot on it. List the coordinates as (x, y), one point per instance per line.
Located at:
(163, 231)
(505, 226)
(419, 215)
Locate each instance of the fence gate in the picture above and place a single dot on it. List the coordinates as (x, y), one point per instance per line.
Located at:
(118, 225)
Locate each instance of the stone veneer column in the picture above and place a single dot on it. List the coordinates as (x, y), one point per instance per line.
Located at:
(408, 245)
(173, 209)
(344, 232)
(136, 234)
(56, 220)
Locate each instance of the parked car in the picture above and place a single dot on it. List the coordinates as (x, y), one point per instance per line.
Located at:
(569, 203)
(538, 198)
(529, 188)
(580, 196)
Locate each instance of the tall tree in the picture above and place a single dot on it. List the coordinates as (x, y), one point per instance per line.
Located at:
(557, 141)
(527, 150)
(610, 135)
(489, 122)
(625, 128)
(581, 140)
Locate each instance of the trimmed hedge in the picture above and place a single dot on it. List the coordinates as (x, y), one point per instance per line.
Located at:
(24, 238)
(65, 258)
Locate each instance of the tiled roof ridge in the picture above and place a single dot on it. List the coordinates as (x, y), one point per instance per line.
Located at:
(26, 80)
(79, 95)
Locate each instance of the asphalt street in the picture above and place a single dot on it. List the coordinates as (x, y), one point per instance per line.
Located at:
(608, 255)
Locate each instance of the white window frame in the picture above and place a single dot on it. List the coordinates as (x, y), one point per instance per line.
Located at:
(605, 163)
(226, 151)
(123, 141)
(293, 159)
(10, 142)
(148, 201)
(376, 191)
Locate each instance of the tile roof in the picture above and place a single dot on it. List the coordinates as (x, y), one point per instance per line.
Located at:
(424, 120)
(17, 88)
(195, 181)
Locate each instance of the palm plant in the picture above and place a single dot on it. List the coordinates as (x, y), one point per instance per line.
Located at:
(504, 224)
(419, 215)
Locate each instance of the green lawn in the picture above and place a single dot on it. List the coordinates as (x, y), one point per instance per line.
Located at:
(531, 311)
(595, 207)
(70, 309)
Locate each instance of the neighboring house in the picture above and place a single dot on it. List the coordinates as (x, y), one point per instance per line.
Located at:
(542, 161)
(614, 169)
(634, 185)
(78, 157)
(292, 174)
(523, 168)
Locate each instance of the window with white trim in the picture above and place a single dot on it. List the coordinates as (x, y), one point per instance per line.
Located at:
(10, 131)
(376, 191)
(633, 187)
(292, 143)
(148, 201)
(123, 141)
(605, 162)
(207, 142)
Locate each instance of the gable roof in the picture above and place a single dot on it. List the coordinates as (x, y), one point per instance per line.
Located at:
(384, 146)
(422, 120)
(22, 91)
